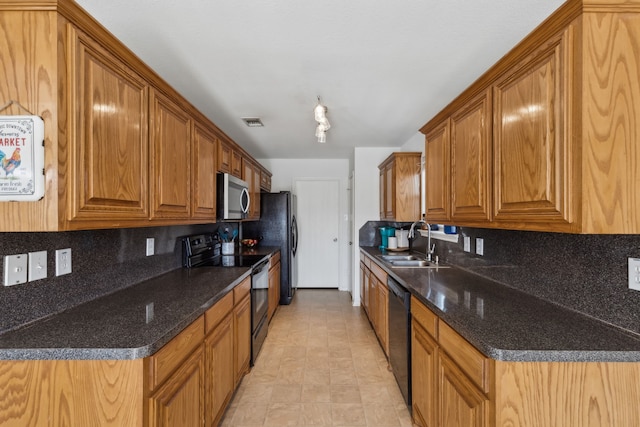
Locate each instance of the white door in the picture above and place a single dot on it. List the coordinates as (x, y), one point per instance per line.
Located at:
(318, 214)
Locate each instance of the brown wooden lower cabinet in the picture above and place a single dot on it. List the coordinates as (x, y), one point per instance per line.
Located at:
(455, 385)
(242, 337)
(375, 299)
(179, 401)
(188, 382)
(220, 379)
(274, 285)
(424, 351)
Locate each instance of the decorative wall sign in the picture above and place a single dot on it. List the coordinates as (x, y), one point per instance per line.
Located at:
(21, 158)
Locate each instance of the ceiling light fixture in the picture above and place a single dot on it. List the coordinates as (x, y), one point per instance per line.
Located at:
(320, 115)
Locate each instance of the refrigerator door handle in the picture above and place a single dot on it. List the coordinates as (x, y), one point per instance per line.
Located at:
(294, 235)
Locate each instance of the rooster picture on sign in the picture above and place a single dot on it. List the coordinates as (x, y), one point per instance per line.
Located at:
(10, 164)
(21, 158)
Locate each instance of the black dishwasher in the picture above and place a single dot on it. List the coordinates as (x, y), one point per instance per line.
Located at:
(400, 336)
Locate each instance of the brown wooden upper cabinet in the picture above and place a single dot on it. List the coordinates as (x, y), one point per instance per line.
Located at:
(109, 142)
(170, 159)
(122, 147)
(251, 175)
(265, 180)
(546, 139)
(400, 187)
(203, 178)
(229, 158)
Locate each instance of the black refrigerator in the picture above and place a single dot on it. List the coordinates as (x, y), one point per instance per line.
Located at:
(278, 227)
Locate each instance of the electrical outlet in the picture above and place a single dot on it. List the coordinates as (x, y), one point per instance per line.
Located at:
(15, 269)
(63, 261)
(479, 246)
(467, 244)
(150, 246)
(634, 274)
(37, 265)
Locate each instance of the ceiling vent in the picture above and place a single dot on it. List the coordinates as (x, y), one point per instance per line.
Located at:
(253, 122)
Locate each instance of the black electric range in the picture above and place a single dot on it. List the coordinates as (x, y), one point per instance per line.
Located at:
(204, 250)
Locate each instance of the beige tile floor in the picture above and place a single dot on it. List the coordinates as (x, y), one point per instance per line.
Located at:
(321, 365)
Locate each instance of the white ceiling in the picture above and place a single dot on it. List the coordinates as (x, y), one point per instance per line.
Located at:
(383, 68)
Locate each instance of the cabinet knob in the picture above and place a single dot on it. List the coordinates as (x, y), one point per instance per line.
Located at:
(335, 239)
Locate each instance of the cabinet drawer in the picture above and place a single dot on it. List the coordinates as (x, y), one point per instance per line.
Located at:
(425, 317)
(169, 357)
(379, 272)
(471, 361)
(215, 314)
(241, 290)
(274, 260)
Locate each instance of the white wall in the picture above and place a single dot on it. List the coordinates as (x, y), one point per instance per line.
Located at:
(366, 207)
(366, 193)
(286, 171)
(415, 143)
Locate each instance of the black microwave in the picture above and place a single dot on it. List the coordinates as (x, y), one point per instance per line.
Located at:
(233, 198)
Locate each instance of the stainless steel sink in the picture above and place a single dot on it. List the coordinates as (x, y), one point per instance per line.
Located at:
(392, 258)
(411, 263)
(408, 261)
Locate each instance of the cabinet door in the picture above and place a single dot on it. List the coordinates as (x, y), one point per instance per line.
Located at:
(242, 337)
(373, 301)
(225, 154)
(437, 182)
(461, 403)
(471, 161)
(236, 163)
(220, 378)
(109, 144)
(363, 286)
(424, 350)
(251, 174)
(382, 191)
(203, 178)
(274, 289)
(532, 162)
(180, 400)
(170, 159)
(389, 191)
(255, 196)
(383, 316)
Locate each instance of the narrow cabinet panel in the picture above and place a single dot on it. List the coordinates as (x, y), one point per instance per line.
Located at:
(437, 174)
(170, 159)
(203, 165)
(471, 160)
(220, 377)
(424, 350)
(109, 141)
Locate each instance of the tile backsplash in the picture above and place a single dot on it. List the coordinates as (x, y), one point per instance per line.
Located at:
(103, 262)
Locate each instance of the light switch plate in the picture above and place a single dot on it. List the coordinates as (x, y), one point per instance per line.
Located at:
(63, 261)
(467, 244)
(634, 274)
(150, 246)
(479, 246)
(15, 269)
(37, 265)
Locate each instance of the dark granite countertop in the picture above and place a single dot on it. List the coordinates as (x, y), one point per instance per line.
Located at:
(510, 325)
(115, 326)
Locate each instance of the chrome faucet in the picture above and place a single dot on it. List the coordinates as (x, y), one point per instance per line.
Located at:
(431, 249)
